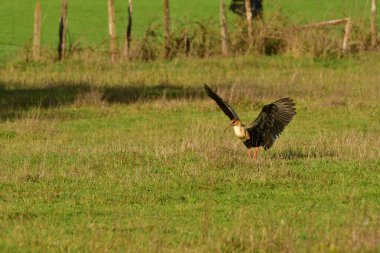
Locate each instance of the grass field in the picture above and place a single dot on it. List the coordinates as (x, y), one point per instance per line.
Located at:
(133, 157)
(88, 22)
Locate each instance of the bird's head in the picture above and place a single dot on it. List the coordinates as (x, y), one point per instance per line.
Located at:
(235, 122)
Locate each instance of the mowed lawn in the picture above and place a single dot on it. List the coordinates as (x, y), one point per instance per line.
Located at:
(134, 158)
(88, 19)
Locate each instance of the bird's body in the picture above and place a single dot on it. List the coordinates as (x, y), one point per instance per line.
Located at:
(265, 129)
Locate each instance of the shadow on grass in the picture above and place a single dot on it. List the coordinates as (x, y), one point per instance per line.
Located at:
(15, 101)
(291, 154)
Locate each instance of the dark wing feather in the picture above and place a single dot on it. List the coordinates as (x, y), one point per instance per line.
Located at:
(226, 108)
(271, 121)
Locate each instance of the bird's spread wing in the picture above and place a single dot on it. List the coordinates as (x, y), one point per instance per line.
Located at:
(272, 120)
(226, 108)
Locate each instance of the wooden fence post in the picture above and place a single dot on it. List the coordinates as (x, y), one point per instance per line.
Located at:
(167, 28)
(128, 33)
(373, 24)
(62, 30)
(112, 29)
(37, 32)
(224, 28)
(248, 14)
(346, 38)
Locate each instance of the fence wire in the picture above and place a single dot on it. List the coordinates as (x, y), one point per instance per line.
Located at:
(88, 27)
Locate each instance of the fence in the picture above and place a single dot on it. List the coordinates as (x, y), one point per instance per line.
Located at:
(243, 39)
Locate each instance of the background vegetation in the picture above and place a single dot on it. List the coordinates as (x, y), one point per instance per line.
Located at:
(88, 27)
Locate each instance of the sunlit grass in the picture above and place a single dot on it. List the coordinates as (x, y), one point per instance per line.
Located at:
(132, 157)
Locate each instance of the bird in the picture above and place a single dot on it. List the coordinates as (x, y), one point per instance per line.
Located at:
(265, 129)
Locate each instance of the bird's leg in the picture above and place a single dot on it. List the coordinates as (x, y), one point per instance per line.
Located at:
(255, 153)
(249, 153)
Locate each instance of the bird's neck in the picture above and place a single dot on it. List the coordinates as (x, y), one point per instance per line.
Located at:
(241, 132)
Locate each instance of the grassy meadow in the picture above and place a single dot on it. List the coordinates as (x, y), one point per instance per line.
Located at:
(88, 19)
(132, 157)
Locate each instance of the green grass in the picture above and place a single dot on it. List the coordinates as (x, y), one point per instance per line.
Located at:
(132, 157)
(88, 22)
